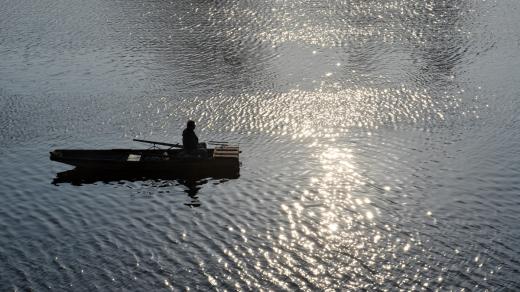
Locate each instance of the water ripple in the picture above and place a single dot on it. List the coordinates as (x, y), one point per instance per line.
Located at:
(378, 140)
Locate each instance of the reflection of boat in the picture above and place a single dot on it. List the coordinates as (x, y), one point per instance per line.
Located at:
(84, 176)
(219, 162)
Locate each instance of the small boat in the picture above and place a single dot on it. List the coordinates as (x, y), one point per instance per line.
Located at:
(219, 162)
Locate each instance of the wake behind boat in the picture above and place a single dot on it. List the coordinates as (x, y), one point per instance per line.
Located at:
(221, 161)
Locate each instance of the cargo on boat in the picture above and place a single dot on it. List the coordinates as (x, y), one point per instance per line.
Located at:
(221, 161)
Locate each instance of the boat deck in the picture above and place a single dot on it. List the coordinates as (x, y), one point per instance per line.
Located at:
(216, 162)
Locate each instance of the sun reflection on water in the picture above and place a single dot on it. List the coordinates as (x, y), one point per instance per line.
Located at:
(297, 81)
(346, 238)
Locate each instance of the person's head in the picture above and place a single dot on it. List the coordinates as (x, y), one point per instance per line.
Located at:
(191, 125)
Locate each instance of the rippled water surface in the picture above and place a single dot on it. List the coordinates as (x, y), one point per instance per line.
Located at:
(380, 144)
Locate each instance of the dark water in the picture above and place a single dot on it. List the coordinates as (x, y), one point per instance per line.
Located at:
(380, 139)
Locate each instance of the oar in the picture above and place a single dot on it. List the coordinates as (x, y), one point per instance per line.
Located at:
(159, 143)
(218, 142)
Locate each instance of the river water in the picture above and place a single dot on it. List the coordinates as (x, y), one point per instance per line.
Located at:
(380, 144)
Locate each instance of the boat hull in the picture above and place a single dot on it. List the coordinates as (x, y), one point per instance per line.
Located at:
(153, 162)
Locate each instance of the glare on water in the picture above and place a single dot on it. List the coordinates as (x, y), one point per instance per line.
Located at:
(378, 140)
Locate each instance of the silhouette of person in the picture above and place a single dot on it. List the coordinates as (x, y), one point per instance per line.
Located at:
(190, 141)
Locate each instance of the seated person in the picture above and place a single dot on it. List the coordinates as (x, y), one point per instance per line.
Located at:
(190, 141)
